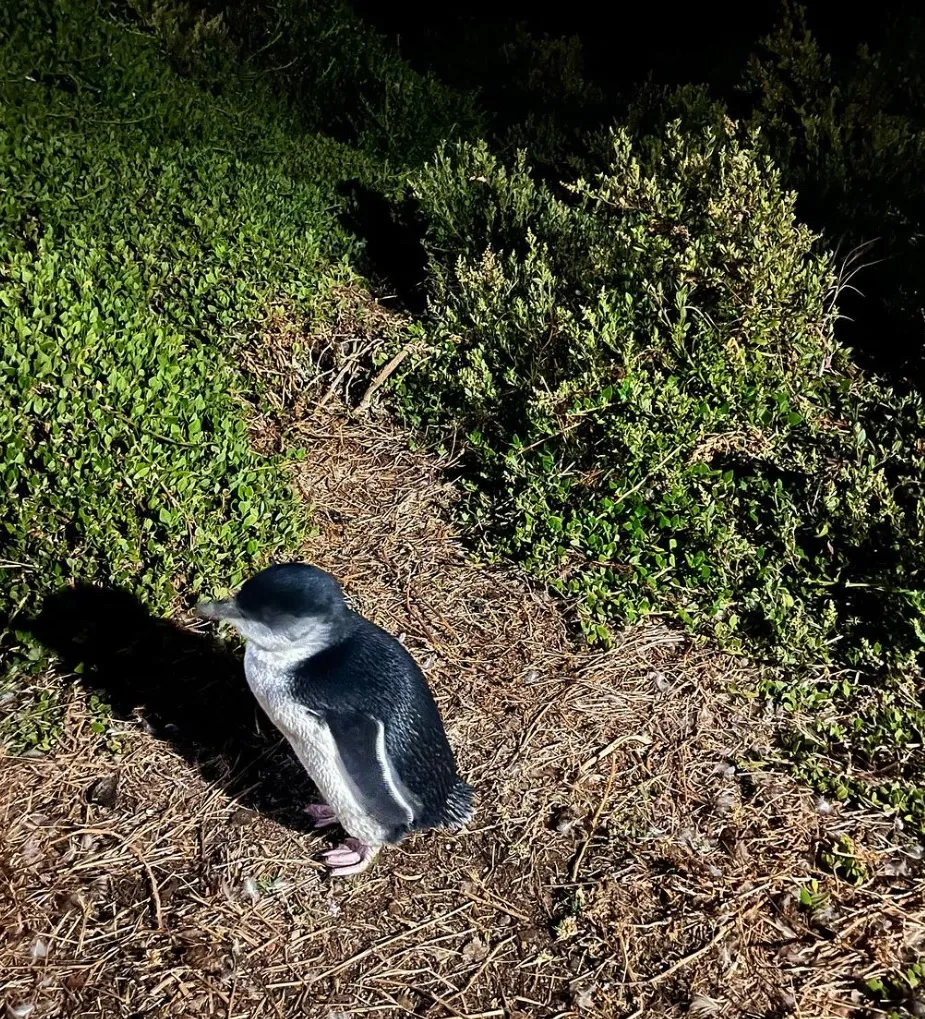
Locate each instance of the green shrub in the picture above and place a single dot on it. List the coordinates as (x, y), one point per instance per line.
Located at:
(333, 71)
(537, 91)
(660, 418)
(146, 224)
(849, 136)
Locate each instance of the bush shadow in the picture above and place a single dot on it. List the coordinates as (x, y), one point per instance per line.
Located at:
(393, 239)
(184, 686)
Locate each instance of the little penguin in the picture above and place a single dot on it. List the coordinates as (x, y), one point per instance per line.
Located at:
(353, 705)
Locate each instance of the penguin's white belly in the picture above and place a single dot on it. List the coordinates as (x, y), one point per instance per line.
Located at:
(312, 742)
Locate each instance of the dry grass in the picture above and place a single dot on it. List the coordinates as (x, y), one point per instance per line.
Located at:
(633, 852)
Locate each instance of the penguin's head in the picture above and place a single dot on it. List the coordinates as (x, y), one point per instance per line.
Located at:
(289, 607)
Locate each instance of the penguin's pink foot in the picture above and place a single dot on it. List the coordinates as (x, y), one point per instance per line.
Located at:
(353, 857)
(321, 815)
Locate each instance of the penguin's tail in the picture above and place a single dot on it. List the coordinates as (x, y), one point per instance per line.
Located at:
(459, 805)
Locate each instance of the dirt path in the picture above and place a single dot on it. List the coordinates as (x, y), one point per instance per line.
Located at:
(633, 853)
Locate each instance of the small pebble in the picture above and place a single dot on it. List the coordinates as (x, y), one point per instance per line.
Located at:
(660, 680)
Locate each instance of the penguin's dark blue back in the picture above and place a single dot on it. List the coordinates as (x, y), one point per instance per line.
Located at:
(369, 671)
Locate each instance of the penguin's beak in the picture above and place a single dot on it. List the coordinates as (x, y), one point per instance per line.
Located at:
(217, 609)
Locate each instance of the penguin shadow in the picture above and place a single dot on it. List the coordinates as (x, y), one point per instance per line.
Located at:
(392, 234)
(185, 687)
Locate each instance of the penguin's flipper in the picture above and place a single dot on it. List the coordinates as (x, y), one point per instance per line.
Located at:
(360, 741)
